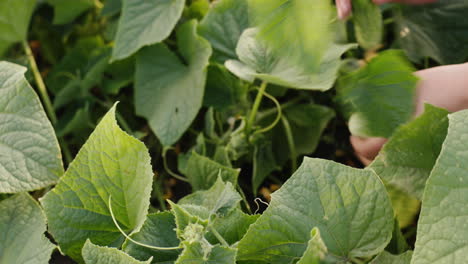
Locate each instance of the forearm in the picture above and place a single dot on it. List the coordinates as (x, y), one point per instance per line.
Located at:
(444, 86)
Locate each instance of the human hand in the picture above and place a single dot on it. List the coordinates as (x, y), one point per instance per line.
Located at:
(344, 6)
(444, 86)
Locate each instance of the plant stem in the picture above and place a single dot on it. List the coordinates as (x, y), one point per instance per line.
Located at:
(45, 98)
(40, 83)
(256, 105)
(290, 139)
(218, 236)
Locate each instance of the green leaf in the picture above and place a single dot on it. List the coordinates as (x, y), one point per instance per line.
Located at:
(110, 164)
(316, 249)
(406, 207)
(223, 26)
(74, 64)
(304, 28)
(438, 31)
(203, 172)
(264, 163)
(258, 60)
(14, 21)
(349, 206)
(93, 254)
(307, 122)
(407, 159)
(167, 92)
(190, 226)
(65, 11)
(220, 199)
(31, 157)
(111, 7)
(22, 225)
(442, 223)
(197, 253)
(232, 227)
(387, 258)
(398, 243)
(368, 24)
(379, 97)
(158, 230)
(143, 23)
(223, 90)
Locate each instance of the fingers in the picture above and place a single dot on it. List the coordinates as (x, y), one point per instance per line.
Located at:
(344, 8)
(367, 148)
(412, 2)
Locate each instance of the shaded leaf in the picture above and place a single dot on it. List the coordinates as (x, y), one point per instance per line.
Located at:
(15, 16)
(93, 254)
(143, 23)
(407, 159)
(22, 225)
(167, 92)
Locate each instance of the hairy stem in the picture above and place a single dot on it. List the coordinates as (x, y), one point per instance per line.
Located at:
(290, 139)
(40, 83)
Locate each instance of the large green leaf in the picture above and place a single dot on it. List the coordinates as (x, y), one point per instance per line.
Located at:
(379, 97)
(22, 225)
(408, 157)
(438, 30)
(232, 227)
(302, 28)
(387, 258)
(168, 92)
(203, 172)
(349, 206)
(158, 230)
(258, 60)
(196, 253)
(93, 254)
(368, 24)
(65, 11)
(30, 156)
(223, 26)
(110, 164)
(442, 232)
(14, 21)
(145, 22)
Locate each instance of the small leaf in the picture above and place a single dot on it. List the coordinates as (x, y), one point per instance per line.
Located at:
(143, 23)
(15, 16)
(349, 206)
(407, 159)
(167, 92)
(368, 24)
(197, 253)
(387, 258)
(316, 249)
(220, 199)
(223, 26)
(379, 97)
(202, 172)
(442, 229)
(66, 11)
(158, 230)
(31, 157)
(93, 254)
(264, 163)
(22, 225)
(110, 163)
(232, 227)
